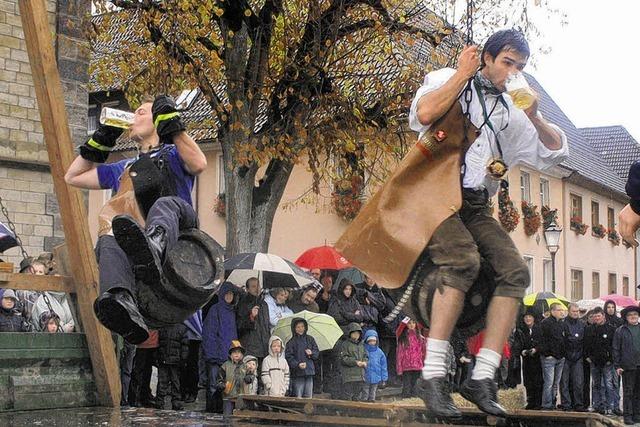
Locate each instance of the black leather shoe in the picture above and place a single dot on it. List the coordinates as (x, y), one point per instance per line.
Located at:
(484, 394)
(628, 421)
(145, 249)
(435, 395)
(618, 412)
(118, 312)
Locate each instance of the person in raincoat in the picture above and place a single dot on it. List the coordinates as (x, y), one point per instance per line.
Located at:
(275, 369)
(376, 372)
(353, 358)
(302, 354)
(344, 306)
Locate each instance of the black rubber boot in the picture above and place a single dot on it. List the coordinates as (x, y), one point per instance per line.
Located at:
(435, 395)
(144, 248)
(483, 393)
(118, 312)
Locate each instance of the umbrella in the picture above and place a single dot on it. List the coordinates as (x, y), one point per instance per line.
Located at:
(324, 257)
(589, 304)
(543, 300)
(272, 270)
(620, 300)
(322, 327)
(351, 273)
(7, 238)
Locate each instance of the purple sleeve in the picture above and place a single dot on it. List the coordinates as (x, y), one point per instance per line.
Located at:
(109, 174)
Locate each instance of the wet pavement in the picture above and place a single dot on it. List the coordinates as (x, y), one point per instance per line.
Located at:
(99, 416)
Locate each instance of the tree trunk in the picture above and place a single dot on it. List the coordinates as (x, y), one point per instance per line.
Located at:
(251, 208)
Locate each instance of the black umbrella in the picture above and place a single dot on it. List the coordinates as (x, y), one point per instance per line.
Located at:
(272, 271)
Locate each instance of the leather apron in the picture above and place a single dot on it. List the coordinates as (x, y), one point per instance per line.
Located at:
(123, 203)
(392, 230)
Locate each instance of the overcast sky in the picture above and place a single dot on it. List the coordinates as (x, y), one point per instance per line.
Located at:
(593, 71)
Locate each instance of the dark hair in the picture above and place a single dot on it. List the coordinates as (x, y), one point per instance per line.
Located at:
(505, 40)
(597, 310)
(246, 284)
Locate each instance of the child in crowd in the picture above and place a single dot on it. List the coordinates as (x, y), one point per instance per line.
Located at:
(250, 385)
(49, 322)
(376, 370)
(353, 358)
(302, 353)
(275, 369)
(410, 353)
(231, 377)
(172, 351)
(11, 319)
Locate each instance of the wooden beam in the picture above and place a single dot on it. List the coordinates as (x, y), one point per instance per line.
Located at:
(74, 219)
(31, 282)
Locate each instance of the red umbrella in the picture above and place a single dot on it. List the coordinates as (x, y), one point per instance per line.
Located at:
(324, 257)
(620, 300)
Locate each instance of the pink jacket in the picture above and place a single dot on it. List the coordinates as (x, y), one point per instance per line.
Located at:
(411, 358)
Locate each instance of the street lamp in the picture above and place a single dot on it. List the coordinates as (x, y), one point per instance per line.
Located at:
(552, 236)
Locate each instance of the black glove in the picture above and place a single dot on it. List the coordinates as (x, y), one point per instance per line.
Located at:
(248, 379)
(98, 147)
(166, 118)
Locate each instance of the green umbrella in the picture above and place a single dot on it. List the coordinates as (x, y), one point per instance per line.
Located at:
(322, 327)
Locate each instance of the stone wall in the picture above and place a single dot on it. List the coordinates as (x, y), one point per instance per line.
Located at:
(25, 180)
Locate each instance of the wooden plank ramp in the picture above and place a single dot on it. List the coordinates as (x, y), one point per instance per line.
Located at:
(294, 411)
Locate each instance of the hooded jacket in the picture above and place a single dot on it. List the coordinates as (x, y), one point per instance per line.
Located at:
(345, 310)
(410, 357)
(60, 304)
(614, 320)
(275, 371)
(219, 327)
(376, 370)
(174, 344)
(254, 332)
(352, 352)
(11, 321)
(296, 354)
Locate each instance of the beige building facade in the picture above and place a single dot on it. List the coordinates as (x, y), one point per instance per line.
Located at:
(581, 258)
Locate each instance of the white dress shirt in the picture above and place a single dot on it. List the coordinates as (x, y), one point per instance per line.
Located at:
(519, 140)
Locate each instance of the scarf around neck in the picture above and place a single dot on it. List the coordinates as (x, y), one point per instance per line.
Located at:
(486, 85)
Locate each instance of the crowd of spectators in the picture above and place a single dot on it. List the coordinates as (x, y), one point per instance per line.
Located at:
(566, 358)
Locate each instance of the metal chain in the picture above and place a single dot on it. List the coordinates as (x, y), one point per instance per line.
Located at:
(12, 227)
(470, 7)
(46, 301)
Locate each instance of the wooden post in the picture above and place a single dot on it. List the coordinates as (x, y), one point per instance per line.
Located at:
(57, 137)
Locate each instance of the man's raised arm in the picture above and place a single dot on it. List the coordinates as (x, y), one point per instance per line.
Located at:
(434, 104)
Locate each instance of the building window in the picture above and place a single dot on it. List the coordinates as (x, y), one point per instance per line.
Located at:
(576, 208)
(595, 285)
(525, 186)
(595, 213)
(544, 192)
(546, 274)
(221, 183)
(625, 285)
(613, 286)
(611, 218)
(529, 261)
(576, 285)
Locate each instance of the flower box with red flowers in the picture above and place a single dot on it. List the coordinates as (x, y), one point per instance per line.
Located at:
(613, 236)
(577, 225)
(599, 231)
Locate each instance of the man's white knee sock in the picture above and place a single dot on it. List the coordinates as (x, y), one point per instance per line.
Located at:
(487, 361)
(435, 362)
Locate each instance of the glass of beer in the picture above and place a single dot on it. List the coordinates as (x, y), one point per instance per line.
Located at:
(519, 90)
(116, 118)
